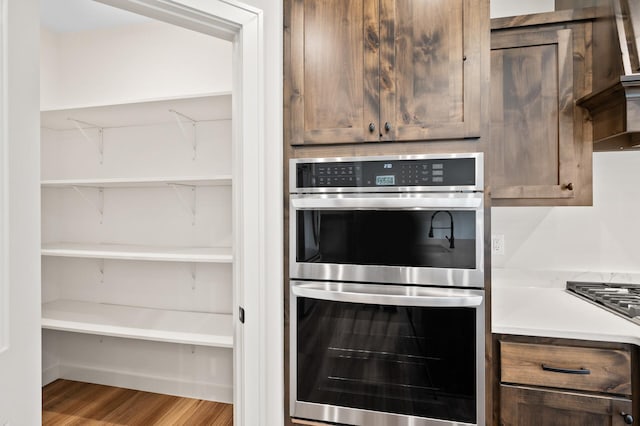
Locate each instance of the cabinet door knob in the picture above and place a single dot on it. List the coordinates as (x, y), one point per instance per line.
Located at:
(569, 186)
(372, 127)
(628, 418)
(387, 126)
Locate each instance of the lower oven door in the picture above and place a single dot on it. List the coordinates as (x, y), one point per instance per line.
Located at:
(367, 354)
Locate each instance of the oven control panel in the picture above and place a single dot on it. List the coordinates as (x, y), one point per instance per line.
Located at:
(427, 172)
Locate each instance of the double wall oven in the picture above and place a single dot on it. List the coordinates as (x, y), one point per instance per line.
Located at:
(387, 290)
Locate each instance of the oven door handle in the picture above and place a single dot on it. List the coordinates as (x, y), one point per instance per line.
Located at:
(473, 201)
(394, 295)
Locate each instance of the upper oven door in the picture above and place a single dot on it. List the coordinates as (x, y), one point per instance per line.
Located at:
(417, 238)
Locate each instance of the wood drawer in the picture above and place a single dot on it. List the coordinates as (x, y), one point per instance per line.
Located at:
(590, 369)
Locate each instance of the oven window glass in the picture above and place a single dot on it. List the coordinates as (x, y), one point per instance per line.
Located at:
(437, 239)
(403, 360)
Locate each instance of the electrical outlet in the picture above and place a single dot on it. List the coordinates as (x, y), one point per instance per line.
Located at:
(497, 244)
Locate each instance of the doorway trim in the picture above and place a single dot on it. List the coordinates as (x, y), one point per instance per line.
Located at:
(243, 26)
(4, 179)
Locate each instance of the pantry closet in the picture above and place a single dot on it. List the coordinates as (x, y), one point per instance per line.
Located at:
(137, 232)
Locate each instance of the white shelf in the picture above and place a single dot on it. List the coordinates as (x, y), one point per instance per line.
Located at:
(194, 328)
(220, 180)
(131, 252)
(204, 108)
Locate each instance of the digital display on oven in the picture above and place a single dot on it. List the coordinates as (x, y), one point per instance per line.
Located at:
(388, 180)
(387, 173)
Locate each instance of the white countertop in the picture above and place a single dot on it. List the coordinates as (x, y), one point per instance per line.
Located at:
(540, 307)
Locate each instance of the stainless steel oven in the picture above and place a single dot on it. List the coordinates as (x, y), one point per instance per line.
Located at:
(399, 220)
(387, 290)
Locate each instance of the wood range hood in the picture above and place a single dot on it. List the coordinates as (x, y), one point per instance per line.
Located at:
(614, 106)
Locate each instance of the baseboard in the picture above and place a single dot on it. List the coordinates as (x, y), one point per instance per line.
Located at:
(206, 391)
(50, 374)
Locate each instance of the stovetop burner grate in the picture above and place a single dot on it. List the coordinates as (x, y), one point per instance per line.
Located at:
(622, 299)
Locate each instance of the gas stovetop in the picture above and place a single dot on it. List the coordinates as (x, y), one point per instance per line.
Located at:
(622, 299)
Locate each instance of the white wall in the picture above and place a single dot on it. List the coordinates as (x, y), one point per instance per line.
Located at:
(602, 238)
(131, 63)
(49, 69)
(501, 8)
(20, 393)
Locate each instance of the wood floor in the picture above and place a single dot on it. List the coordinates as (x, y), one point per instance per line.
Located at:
(66, 402)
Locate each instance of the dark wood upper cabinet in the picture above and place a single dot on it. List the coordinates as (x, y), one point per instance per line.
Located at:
(614, 104)
(382, 70)
(430, 69)
(334, 71)
(532, 115)
(541, 142)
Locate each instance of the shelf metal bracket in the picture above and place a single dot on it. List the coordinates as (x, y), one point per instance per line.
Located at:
(98, 205)
(101, 268)
(99, 142)
(188, 205)
(179, 118)
(193, 275)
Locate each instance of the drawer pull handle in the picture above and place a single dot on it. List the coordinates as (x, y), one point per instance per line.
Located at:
(582, 370)
(628, 418)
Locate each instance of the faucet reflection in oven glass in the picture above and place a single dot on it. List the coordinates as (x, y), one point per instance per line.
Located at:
(431, 227)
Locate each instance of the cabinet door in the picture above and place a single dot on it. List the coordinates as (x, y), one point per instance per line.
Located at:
(532, 115)
(522, 406)
(333, 71)
(430, 61)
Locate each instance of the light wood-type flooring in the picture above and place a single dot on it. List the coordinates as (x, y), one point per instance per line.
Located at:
(65, 402)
